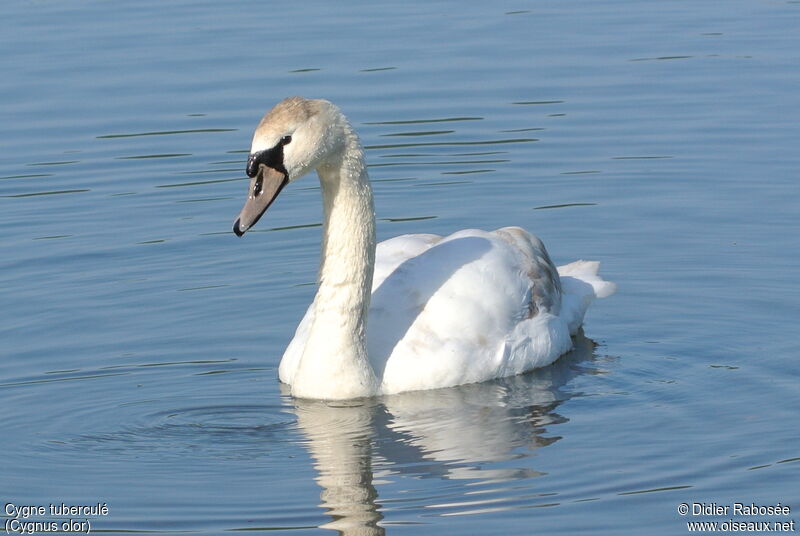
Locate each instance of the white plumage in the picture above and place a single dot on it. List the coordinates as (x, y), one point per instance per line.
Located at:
(439, 311)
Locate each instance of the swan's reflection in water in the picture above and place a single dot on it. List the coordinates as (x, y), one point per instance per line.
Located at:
(445, 433)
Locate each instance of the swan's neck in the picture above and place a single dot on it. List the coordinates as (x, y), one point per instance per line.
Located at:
(334, 363)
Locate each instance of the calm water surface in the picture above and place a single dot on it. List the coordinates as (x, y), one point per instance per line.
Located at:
(140, 338)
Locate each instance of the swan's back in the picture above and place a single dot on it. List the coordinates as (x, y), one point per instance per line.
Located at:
(465, 308)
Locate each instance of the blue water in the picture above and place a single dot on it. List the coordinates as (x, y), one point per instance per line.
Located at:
(140, 338)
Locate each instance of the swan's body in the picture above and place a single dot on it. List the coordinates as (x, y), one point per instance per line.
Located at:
(426, 311)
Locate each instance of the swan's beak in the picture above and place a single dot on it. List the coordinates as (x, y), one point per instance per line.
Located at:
(264, 188)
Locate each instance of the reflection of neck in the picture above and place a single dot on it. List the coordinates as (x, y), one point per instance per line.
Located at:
(339, 441)
(334, 362)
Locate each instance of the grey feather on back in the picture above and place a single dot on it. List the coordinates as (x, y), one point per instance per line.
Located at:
(546, 290)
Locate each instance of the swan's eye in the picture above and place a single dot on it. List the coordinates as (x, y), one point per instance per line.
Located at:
(286, 140)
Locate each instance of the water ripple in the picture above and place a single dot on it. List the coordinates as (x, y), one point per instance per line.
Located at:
(223, 431)
(450, 143)
(421, 121)
(167, 133)
(50, 192)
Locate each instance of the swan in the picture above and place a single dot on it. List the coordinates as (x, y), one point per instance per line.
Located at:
(414, 312)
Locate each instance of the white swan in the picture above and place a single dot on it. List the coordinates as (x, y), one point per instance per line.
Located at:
(441, 311)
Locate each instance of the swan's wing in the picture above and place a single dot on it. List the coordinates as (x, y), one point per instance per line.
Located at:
(473, 306)
(546, 291)
(391, 253)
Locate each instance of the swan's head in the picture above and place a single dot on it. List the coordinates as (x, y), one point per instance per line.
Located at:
(298, 135)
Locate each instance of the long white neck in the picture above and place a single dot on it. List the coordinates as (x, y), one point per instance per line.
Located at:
(334, 363)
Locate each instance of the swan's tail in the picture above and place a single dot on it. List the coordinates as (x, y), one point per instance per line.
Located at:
(580, 284)
(586, 271)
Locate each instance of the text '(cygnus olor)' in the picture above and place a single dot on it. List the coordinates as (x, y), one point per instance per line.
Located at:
(416, 311)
